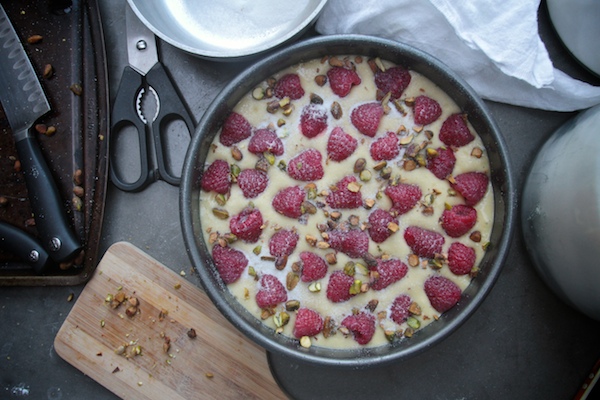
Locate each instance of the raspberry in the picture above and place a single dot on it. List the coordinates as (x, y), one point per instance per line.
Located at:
(379, 221)
(247, 225)
(283, 243)
(340, 145)
(271, 292)
(424, 242)
(289, 201)
(308, 323)
(342, 79)
(399, 308)
(313, 120)
(354, 243)
(289, 86)
(366, 118)
(362, 326)
(458, 220)
(455, 132)
(426, 110)
(342, 197)
(235, 129)
(216, 177)
(265, 140)
(404, 197)
(338, 287)
(389, 271)
(252, 182)
(229, 262)
(472, 186)
(306, 166)
(442, 163)
(313, 267)
(443, 294)
(394, 80)
(461, 258)
(385, 148)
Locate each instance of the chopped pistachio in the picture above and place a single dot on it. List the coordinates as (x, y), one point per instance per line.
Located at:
(314, 287)
(413, 322)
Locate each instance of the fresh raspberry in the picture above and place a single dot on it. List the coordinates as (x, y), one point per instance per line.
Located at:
(443, 294)
(289, 201)
(472, 186)
(235, 129)
(404, 197)
(461, 258)
(340, 145)
(399, 308)
(388, 271)
(252, 182)
(271, 292)
(216, 177)
(247, 225)
(229, 262)
(264, 140)
(354, 243)
(362, 326)
(379, 222)
(308, 323)
(289, 86)
(424, 242)
(458, 220)
(455, 132)
(313, 120)
(342, 79)
(313, 267)
(394, 80)
(338, 287)
(283, 243)
(306, 166)
(366, 118)
(385, 148)
(426, 110)
(442, 163)
(342, 197)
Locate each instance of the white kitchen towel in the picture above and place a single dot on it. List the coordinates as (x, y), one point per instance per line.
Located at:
(493, 44)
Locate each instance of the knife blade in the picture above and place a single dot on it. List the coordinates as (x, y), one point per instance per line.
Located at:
(25, 246)
(24, 101)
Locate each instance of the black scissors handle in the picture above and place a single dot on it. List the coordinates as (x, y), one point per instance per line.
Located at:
(124, 114)
(171, 108)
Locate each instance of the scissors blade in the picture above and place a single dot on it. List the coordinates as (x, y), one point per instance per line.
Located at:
(141, 43)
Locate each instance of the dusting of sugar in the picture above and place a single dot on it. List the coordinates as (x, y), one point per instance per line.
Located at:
(395, 246)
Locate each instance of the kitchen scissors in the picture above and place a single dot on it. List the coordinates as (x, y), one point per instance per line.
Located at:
(145, 76)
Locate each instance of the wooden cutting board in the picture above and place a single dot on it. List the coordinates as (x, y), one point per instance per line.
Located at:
(219, 363)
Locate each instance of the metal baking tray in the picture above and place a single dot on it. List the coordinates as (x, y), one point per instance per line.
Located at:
(73, 44)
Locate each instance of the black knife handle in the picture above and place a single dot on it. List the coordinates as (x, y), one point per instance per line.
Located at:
(48, 209)
(24, 246)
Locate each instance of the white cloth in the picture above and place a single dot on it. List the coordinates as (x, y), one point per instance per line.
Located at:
(493, 44)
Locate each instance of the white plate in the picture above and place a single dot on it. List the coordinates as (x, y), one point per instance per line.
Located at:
(227, 29)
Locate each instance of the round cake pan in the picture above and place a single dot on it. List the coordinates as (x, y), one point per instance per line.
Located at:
(467, 100)
(227, 30)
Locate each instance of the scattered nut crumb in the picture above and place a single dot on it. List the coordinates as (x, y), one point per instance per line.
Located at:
(33, 39)
(76, 89)
(48, 71)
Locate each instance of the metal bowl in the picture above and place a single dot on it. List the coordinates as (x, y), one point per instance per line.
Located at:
(370, 47)
(227, 30)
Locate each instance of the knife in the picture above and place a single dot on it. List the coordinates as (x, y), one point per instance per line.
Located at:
(25, 246)
(24, 101)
